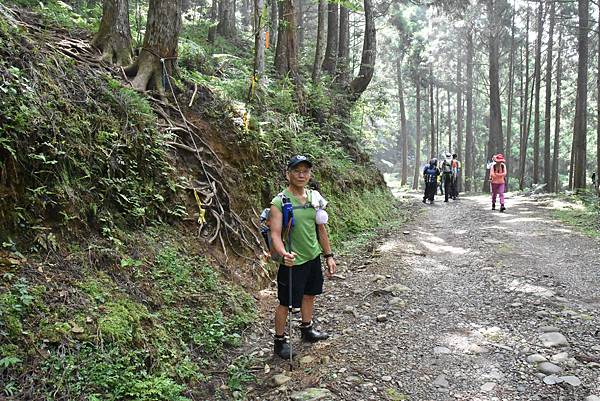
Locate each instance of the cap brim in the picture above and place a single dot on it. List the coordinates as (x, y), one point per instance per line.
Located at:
(292, 165)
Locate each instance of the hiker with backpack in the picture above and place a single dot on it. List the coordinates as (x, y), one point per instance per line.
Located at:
(300, 243)
(456, 165)
(446, 170)
(497, 180)
(430, 174)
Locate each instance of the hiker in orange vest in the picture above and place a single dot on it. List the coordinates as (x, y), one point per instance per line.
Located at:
(497, 179)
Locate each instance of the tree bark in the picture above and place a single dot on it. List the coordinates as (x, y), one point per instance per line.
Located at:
(580, 124)
(343, 61)
(495, 142)
(260, 25)
(273, 33)
(597, 112)
(449, 123)
(289, 14)
(555, 185)
(548, 109)
(159, 52)
(300, 24)
(526, 122)
(329, 64)
(369, 51)
(468, 162)
(459, 117)
(433, 149)
(417, 175)
(226, 25)
(281, 61)
(321, 39)
(214, 19)
(402, 140)
(537, 73)
(511, 81)
(113, 38)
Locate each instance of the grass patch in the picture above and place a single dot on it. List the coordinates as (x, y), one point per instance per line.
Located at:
(583, 213)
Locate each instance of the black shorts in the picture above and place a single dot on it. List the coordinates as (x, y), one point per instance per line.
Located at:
(307, 279)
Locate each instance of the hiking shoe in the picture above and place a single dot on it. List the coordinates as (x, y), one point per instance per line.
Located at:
(311, 335)
(281, 348)
(424, 201)
(502, 208)
(493, 206)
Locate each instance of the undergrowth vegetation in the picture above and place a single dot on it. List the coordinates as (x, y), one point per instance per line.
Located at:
(105, 291)
(583, 213)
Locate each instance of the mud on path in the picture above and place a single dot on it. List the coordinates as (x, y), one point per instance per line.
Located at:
(461, 304)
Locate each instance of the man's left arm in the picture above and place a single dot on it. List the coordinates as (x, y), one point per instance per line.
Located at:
(326, 247)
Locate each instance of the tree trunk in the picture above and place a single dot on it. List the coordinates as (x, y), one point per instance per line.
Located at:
(331, 50)
(526, 122)
(417, 175)
(273, 33)
(369, 51)
(246, 15)
(495, 142)
(403, 140)
(511, 80)
(433, 150)
(343, 62)
(459, 117)
(226, 25)
(555, 185)
(113, 38)
(159, 52)
(259, 45)
(468, 162)
(548, 109)
(300, 24)
(536, 114)
(579, 131)
(597, 112)
(449, 123)
(281, 61)
(214, 19)
(321, 39)
(289, 14)
(437, 119)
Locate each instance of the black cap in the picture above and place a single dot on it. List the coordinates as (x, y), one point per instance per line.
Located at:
(294, 161)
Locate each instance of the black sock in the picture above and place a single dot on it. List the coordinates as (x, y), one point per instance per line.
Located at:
(306, 324)
(279, 337)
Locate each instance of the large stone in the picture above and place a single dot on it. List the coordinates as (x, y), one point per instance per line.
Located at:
(536, 358)
(553, 339)
(312, 394)
(549, 368)
(571, 380)
(552, 379)
(487, 387)
(592, 398)
(441, 383)
(395, 289)
(280, 379)
(441, 350)
(306, 360)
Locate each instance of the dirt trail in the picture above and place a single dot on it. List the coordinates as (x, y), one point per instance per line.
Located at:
(462, 304)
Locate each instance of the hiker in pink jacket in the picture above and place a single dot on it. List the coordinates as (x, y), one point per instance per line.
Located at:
(497, 178)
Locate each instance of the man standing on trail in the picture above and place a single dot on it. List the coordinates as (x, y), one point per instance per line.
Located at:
(497, 178)
(430, 174)
(455, 172)
(308, 239)
(447, 175)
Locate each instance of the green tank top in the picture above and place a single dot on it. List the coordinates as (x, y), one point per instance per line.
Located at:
(304, 233)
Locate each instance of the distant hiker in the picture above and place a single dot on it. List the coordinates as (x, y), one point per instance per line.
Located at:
(456, 165)
(304, 257)
(497, 179)
(446, 169)
(430, 174)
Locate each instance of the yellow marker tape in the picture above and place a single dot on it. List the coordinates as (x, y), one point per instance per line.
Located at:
(201, 212)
